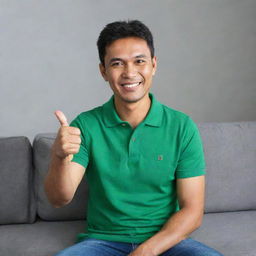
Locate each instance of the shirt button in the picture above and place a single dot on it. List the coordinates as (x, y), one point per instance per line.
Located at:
(133, 139)
(123, 124)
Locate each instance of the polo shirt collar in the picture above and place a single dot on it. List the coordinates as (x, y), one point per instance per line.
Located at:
(153, 118)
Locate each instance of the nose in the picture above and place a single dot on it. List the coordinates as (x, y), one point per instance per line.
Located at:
(129, 71)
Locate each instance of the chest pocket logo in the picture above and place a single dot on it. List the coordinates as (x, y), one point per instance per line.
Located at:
(160, 157)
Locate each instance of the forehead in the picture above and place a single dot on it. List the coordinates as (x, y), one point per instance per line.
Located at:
(127, 48)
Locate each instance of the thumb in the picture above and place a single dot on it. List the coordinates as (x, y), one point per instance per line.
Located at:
(61, 117)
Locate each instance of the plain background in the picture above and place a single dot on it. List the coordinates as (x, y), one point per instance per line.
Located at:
(206, 53)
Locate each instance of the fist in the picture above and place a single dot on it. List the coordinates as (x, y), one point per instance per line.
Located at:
(68, 138)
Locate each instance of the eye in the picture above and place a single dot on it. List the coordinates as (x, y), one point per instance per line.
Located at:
(140, 61)
(117, 63)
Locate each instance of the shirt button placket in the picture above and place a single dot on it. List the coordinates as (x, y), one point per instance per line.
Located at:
(133, 147)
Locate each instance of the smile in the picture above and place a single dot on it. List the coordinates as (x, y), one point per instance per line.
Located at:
(131, 85)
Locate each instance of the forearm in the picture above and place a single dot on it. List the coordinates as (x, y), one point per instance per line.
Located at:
(177, 228)
(58, 183)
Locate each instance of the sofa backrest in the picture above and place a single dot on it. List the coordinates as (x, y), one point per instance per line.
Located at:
(230, 154)
(17, 202)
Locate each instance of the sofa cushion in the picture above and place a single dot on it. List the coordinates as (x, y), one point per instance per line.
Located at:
(230, 154)
(17, 202)
(76, 210)
(39, 239)
(232, 233)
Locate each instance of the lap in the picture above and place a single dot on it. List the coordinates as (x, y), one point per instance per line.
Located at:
(191, 247)
(96, 247)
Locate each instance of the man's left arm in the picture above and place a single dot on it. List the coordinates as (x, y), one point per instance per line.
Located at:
(190, 192)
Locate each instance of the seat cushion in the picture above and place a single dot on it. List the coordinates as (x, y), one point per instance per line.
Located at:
(38, 239)
(17, 201)
(232, 233)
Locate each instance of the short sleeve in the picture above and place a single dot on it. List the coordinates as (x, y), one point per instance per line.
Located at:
(191, 162)
(82, 157)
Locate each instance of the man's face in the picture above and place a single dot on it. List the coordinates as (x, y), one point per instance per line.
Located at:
(129, 69)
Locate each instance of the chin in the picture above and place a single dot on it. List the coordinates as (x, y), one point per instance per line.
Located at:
(133, 99)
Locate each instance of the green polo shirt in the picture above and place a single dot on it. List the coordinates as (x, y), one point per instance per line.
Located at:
(131, 172)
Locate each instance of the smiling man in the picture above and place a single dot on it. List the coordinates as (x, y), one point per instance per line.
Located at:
(143, 161)
(128, 67)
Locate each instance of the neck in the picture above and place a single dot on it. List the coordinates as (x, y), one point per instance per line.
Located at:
(133, 112)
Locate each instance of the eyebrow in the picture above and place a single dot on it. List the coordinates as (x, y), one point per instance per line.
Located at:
(141, 56)
(136, 57)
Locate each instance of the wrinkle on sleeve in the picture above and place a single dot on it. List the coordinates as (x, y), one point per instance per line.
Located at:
(191, 162)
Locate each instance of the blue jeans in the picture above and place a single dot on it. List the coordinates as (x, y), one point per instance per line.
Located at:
(98, 247)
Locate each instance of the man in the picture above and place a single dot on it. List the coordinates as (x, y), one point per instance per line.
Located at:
(144, 161)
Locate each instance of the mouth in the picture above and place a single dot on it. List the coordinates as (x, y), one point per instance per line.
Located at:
(131, 85)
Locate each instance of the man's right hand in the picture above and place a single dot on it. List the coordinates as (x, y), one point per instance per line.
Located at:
(68, 138)
(64, 176)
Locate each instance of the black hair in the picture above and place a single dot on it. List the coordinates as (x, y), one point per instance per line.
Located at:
(122, 29)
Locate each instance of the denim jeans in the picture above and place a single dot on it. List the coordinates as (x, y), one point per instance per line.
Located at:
(98, 247)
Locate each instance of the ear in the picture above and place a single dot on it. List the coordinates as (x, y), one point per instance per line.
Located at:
(154, 63)
(103, 71)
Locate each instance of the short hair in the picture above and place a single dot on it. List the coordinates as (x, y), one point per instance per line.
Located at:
(122, 29)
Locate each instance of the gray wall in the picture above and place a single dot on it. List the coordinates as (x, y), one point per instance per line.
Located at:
(206, 54)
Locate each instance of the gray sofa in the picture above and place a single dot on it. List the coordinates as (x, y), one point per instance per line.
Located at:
(31, 226)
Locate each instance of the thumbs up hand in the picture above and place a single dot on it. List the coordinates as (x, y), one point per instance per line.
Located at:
(61, 117)
(68, 139)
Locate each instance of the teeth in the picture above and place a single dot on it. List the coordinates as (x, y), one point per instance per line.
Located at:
(131, 85)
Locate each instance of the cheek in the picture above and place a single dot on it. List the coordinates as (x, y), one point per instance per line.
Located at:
(147, 72)
(113, 76)
(110, 75)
